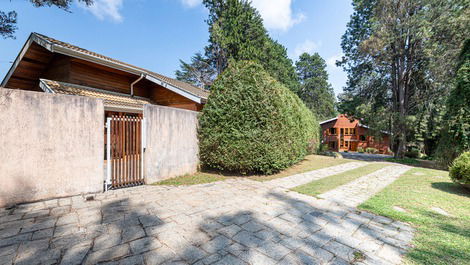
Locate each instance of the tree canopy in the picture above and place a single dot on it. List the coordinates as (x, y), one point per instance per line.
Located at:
(8, 20)
(400, 56)
(199, 72)
(315, 90)
(236, 32)
(456, 132)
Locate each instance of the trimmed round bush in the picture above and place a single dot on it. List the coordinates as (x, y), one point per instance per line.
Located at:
(459, 170)
(253, 124)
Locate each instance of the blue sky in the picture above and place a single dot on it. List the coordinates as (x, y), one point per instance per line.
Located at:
(155, 34)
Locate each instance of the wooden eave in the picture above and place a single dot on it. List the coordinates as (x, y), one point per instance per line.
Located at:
(18, 72)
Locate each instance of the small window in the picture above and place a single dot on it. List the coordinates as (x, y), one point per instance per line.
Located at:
(353, 131)
(332, 131)
(362, 137)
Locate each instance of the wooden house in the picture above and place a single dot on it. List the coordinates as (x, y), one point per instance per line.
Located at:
(48, 65)
(52, 66)
(343, 134)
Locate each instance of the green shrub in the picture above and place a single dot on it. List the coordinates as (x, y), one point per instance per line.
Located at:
(253, 124)
(459, 171)
(413, 153)
(372, 150)
(360, 150)
(324, 148)
(337, 155)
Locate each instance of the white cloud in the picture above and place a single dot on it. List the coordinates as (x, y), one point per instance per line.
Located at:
(331, 61)
(308, 46)
(276, 14)
(106, 9)
(191, 3)
(338, 77)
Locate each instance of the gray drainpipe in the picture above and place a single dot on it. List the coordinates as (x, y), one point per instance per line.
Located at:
(135, 82)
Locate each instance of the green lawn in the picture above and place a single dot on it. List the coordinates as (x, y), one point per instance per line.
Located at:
(439, 239)
(416, 162)
(406, 161)
(311, 162)
(320, 186)
(198, 178)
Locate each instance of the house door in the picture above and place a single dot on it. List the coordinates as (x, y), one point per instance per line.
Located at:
(124, 152)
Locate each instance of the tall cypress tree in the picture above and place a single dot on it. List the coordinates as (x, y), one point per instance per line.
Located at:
(236, 32)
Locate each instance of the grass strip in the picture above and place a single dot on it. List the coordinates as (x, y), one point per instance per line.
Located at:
(311, 162)
(323, 185)
(198, 178)
(438, 208)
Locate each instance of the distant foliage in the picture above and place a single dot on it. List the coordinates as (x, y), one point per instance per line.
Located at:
(400, 57)
(199, 72)
(456, 133)
(413, 153)
(315, 90)
(459, 171)
(372, 150)
(254, 124)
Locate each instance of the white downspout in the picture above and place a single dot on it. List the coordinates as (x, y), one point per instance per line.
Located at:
(135, 82)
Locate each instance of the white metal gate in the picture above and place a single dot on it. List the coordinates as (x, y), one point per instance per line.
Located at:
(124, 154)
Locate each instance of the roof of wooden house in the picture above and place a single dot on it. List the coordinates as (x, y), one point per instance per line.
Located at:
(344, 116)
(111, 99)
(194, 93)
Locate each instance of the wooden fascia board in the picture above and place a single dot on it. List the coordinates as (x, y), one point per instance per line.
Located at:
(17, 60)
(175, 89)
(80, 55)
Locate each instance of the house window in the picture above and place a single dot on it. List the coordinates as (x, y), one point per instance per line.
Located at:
(352, 131)
(333, 131)
(362, 137)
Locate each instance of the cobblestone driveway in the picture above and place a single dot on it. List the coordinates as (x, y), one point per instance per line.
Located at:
(237, 221)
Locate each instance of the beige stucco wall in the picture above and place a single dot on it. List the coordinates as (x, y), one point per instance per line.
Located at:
(172, 147)
(50, 145)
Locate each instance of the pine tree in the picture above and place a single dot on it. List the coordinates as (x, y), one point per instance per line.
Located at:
(315, 90)
(236, 32)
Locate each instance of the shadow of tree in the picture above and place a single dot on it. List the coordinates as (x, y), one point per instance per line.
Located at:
(90, 234)
(132, 231)
(298, 234)
(16, 188)
(452, 188)
(5, 95)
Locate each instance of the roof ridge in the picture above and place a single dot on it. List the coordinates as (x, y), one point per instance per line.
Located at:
(189, 88)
